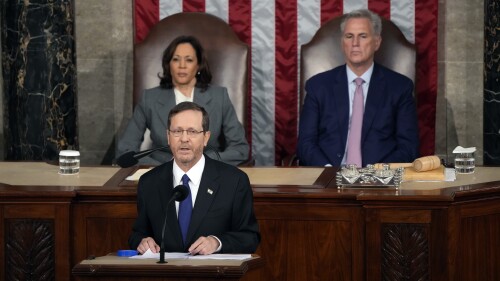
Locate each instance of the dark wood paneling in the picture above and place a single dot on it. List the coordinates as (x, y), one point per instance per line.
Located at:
(398, 243)
(310, 241)
(30, 248)
(2, 245)
(101, 228)
(36, 241)
(317, 233)
(405, 252)
(323, 249)
(479, 242)
(273, 245)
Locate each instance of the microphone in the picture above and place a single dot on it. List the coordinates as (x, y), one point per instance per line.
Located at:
(131, 158)
(180, 193)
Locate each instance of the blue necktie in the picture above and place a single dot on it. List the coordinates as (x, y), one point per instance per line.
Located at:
(185, 210)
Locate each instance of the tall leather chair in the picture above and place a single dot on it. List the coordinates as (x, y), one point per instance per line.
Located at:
(227, 56)
(324, 52)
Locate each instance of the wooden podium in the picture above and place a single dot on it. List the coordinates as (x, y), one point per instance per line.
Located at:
(310, 229)
(112, 267)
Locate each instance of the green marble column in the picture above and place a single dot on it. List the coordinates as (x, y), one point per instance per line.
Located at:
(39, 74)
(491, 82)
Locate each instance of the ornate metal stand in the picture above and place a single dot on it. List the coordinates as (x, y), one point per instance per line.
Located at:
(353, 177)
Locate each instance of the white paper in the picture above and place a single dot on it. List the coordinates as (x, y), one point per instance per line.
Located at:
(220, 257)
(449, 174)
(460, 149)
(137, 174)
(150, 255)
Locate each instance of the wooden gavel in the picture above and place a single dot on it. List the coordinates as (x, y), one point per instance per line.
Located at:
(421, 164)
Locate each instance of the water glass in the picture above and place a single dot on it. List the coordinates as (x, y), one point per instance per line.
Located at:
(69, 162)
(464, 163)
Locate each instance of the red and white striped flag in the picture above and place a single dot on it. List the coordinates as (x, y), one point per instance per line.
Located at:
(275, 30)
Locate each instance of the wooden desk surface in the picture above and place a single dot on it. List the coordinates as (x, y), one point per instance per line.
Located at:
(40, 173)
(113, 259)
(277, 180)
(119, 267)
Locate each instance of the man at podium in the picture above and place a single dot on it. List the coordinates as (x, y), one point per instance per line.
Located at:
(217, 215)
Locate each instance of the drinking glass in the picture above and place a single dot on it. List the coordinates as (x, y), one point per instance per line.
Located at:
(464, 163)
(69, 162)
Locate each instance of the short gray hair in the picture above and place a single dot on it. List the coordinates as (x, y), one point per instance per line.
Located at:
(363, 13)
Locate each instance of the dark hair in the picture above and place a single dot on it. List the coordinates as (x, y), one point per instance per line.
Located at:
(203, 77)
(187, 105)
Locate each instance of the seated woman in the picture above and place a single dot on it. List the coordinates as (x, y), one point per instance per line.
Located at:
(186, 77)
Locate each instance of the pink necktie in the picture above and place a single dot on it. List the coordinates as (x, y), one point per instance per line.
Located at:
(354, 141)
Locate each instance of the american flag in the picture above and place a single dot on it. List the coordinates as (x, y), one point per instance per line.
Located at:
(275, 30)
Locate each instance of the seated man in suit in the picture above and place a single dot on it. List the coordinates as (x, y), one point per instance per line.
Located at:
(360, 112)
(219, 210)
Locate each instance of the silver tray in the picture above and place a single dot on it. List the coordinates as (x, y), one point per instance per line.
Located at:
(353, 177)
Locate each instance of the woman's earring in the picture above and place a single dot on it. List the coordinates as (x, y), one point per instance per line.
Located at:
(198, 73)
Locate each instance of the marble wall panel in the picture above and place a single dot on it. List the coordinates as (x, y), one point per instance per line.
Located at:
(492, 83)
(2, 136)
(441, 105)
(464, 101)
(464, 30)
(38, 68)
(104, 35)
(460, 77)
(441, 140)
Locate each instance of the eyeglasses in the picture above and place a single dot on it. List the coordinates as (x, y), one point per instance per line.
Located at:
(190, 132)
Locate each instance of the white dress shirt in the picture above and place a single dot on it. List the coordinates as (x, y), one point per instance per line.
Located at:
(194, 175)
(180, 97)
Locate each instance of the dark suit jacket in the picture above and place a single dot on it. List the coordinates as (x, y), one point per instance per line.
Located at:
(227, 134)
(226, 211)
(390, 129)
